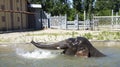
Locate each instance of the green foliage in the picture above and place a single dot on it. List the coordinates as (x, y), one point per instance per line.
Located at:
(74, 34)
(88, 7)
(105, 35)
(71, 14)
(106, 12)
(77, 4)
(4, 40)
(62, 7)
(104, 7)
(88, 35)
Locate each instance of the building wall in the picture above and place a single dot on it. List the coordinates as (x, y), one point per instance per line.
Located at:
(12, 15)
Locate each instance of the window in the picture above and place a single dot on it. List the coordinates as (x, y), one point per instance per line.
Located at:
(3, 19)
(17, 1)
(3, 7)
(17, 9)
(18, 19)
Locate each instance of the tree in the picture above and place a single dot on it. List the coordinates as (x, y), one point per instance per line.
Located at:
(77, 4)
(116, 5)
(104, 7)
(88, 7)
(78, 9)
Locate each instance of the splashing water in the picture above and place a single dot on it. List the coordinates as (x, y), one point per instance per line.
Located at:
(36, 54)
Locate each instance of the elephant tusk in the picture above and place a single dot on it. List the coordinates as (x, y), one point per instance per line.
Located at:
(58, 48)
(74, 44)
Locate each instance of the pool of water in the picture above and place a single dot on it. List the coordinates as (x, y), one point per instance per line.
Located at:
(30, 56)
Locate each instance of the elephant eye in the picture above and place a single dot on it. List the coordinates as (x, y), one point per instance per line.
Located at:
(73, 44)
(82, 48)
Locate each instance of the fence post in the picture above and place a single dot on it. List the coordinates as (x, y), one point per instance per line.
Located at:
(65, 21)
(112, 21)
(84, 19)
(116, 20)
(76, 22)
(49, 20)
(93, 23)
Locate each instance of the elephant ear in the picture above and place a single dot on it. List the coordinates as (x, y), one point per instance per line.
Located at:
(92, 50)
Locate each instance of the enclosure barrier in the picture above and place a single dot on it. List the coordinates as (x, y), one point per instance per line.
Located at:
(60, 22)
(106, 22)
(97, 23)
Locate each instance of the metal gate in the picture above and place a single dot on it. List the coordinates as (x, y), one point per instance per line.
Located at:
(58, 22)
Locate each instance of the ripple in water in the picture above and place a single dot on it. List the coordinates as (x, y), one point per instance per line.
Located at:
(36, 54)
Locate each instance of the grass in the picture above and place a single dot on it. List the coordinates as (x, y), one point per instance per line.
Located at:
(105, 35)
(4, 40)
(88, 36)
(51, 37)
(72, 34)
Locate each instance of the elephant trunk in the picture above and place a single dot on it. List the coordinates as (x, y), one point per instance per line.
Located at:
(44, 46)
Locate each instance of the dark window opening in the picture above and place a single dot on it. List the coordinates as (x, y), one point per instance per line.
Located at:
(17, 1)
(3, 19)
(17, 9)
(18, 19)
(3, 7)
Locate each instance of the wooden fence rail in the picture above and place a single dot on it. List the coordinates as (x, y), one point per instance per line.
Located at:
(15, 11)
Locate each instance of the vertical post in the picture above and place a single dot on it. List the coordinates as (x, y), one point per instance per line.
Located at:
(49, 20)
(65, 21)
(76, 23)
(116, 20)
(41, 18)
(61, 21)
(84, 19)
(112, 21)
(93, 23)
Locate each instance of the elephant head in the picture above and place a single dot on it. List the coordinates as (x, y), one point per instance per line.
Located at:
(82, 52)
(84, 44)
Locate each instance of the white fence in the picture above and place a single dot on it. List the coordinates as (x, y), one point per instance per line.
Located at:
(97, 23)
(60, 22)
(106, 22)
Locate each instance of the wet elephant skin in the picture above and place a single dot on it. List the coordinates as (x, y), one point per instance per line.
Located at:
(72, 46)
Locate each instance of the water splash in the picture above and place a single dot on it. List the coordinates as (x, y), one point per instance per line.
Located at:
(36, 54)
(3, 45)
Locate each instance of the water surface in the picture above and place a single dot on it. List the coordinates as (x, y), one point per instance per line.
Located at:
(21, 56)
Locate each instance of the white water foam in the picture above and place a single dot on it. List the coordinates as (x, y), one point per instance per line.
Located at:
(3, 45)
(36, 54)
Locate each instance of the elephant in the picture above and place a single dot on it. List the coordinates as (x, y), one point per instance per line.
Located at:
(83, 52)
(68, 46)
(84, 44)
(79, 46)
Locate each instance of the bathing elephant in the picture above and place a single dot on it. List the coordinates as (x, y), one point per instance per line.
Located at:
(79, 46)
(68, 46)
(86, 47)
